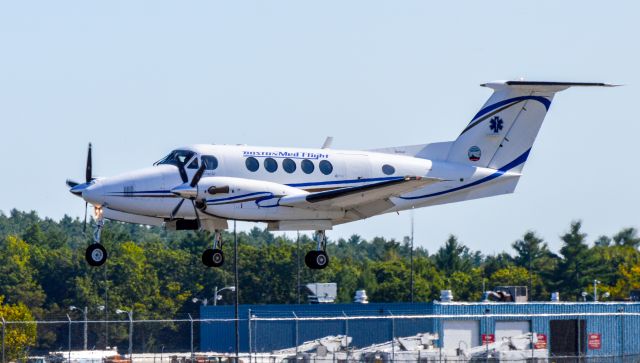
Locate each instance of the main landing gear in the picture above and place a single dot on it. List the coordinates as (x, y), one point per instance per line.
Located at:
(318, 259)
(96, 254)
(214, 257)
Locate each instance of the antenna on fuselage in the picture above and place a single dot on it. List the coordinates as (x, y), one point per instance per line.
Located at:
(327, 142)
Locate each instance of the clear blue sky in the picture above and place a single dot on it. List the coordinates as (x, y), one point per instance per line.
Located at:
(140, 78)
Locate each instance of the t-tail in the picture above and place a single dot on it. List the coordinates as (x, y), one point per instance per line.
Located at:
(501, 134)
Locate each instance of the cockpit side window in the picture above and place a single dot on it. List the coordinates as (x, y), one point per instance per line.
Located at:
(210, 162)
(176, 157)
(194, 164)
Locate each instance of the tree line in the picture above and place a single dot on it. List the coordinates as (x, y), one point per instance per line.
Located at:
(156, 273)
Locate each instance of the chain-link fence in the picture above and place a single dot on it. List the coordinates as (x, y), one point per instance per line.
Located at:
(282, 337)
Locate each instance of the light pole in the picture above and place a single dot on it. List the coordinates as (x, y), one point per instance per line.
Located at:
(595, 290)
(130, 314)
(104, 308)
(84, 318)
(216, 295)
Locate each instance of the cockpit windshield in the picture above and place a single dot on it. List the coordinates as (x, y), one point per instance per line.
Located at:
(176, 157)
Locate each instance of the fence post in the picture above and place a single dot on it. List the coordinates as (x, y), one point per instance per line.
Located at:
(191, 327)
(346, 332)
(3, 334)
(295, 317)
(250, 337)
(69, 338)
(621, 311)
(579, 340)
(393, 337)
(131, 336)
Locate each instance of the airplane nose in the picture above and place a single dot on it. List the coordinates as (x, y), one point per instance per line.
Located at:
(94, 194)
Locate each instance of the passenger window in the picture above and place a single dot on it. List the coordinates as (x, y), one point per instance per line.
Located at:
(270, 164)
(210, 162)
(252, 163)
(307, 166)
(289, 165)
(325, 167)
(193, 164)
(388, 169)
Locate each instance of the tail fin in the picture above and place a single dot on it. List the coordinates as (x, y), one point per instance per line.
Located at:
(502, 133)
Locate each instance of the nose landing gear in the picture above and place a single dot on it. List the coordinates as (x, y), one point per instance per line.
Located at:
(96, 254)
(318, 258)
(214, 257)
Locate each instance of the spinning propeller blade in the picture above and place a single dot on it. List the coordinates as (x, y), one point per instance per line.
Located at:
(191, 194)
(197, 176)
(88, 170)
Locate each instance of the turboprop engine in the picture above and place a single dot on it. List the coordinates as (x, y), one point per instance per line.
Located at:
(225, 190)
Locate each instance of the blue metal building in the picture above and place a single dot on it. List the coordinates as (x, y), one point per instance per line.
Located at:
(595, 329)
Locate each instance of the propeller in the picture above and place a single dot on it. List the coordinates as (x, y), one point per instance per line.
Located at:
(188, 191)
(77, 188)
(88, 178)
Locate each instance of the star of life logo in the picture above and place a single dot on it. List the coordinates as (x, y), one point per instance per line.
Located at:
(496, 124)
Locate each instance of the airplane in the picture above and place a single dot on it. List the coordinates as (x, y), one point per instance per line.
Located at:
(293, 189)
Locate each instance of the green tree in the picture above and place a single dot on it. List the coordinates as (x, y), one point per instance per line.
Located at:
(578, 266)
(453, 257)
(17, 281)
(627, 237)
(533, 254)
(18, 336)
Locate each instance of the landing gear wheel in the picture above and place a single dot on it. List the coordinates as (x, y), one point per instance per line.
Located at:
(309, 259)
(316, 260)
(96, 255)
(213, 257)
(321, 260)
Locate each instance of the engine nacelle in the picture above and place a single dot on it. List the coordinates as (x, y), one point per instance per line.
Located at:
(227, 190)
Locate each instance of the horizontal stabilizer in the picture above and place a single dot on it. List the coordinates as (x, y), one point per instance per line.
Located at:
(538, 86)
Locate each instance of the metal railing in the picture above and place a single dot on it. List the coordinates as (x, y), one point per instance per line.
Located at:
(270, 336)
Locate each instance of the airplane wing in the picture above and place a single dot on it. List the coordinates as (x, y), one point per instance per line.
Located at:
(365, 200)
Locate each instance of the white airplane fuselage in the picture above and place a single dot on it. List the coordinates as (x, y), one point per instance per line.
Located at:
(148, 192)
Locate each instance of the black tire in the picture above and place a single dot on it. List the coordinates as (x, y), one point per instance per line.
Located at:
(321, 260)
(206, 257)
(309, 259)
(217, 257)
(96, 255)
(213, 257)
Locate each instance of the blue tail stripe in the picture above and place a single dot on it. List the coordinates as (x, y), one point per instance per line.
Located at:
(517, 161)
(545, 101)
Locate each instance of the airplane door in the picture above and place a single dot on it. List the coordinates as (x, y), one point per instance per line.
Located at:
(353, 166)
